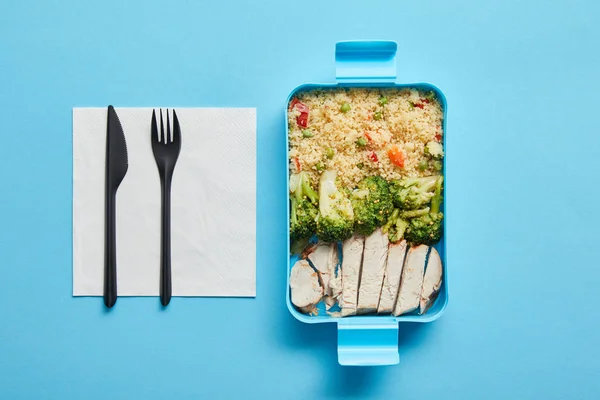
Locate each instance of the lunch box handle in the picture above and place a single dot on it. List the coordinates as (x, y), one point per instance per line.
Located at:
(365, 61)
(368, 341)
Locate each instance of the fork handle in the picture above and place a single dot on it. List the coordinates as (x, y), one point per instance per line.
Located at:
(110, 253)
(165, 264)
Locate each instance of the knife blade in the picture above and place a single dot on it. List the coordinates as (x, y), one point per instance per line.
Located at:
(116, 168)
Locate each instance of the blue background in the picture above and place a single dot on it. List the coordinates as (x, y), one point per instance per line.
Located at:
(521, 79)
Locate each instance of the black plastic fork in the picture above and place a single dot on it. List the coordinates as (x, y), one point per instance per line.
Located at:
(166, 150)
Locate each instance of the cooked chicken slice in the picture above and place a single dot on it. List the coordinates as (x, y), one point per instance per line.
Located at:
(306, 287)
(432, 281)
(352, 252)
(335, 284)
(411, 283)
(373, 269)
(391, 279)
(324, 258)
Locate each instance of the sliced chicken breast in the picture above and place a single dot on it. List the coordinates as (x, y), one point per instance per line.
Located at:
(391, 279)
(336, 287)
(306, 287)
(432, 281)
(334, 290)
(325, 259)
(373, 269)
(352, 253)
(411, 284)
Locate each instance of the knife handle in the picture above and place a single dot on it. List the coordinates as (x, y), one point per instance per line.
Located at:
(165, 254)
(110, 253)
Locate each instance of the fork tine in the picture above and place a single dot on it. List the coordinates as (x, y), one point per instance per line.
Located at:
(162, 129)
(168, 139)
(176, 129)
(153, 128)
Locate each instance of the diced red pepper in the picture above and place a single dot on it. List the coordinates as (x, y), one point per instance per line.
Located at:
(420, 105)
(373, 157)
(438, 137)
(302, 119)
(297, 163)
(303, 108)
(396, 156)
(425, 100)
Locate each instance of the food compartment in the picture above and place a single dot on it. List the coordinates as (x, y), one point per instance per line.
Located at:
(366, 211)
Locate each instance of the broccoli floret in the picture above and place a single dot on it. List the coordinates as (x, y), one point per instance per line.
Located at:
(434, 150)
(395, 226)
(336, 216)
(391, 221)
(396, 233)
(303, 219)
(413, 193)
(415, 213)
(427, 229)
(304, 209)
(372, 204)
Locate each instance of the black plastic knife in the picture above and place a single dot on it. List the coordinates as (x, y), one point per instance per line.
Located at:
(116, 168)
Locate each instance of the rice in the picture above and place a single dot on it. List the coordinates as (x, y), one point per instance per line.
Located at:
(408, 122)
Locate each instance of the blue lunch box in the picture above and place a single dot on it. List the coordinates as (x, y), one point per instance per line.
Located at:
(370, 340)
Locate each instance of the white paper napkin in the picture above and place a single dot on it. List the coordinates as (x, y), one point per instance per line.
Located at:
(213, 215)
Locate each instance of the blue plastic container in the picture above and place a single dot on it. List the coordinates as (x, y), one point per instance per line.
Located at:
(370, 340)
